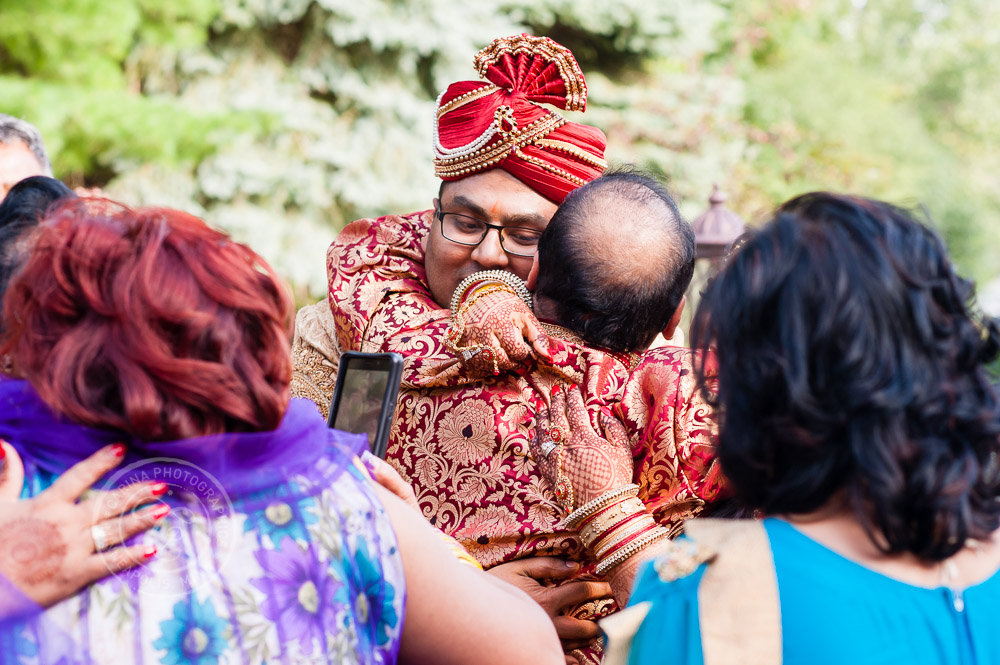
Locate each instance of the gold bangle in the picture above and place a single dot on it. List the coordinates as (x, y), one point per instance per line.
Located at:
(630, 550)
(591, 507)
(479, 293)
(610, 518)
(620, 535)
(502, 276)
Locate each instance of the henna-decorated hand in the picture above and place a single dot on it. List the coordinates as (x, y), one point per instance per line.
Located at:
(503, 323)
(47, 547)
(593, 462)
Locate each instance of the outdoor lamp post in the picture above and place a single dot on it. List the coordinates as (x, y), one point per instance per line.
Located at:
(716, 228)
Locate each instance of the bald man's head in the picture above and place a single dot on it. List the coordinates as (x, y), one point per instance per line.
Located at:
(615, 260)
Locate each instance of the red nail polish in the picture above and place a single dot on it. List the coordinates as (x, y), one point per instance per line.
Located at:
(118, 450)
(555, 390)
(161, 512)
(3, 453)
(149, 551)
(158, 489)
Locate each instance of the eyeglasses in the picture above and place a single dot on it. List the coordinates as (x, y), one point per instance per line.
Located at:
(465, 230)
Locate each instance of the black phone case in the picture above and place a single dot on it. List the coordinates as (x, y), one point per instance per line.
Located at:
(395, 367)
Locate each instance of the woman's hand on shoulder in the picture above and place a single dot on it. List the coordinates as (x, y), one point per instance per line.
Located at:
(49, 543)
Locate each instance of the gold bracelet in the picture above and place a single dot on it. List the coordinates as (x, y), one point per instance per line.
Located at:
(502, 276)
(591, 507)
(630, 550)
(623, 533)
(612, 516)
(481, 292)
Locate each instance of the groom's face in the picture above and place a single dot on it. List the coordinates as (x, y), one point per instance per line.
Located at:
(494, 197)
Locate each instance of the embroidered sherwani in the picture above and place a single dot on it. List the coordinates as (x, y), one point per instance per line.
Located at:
(462, 440)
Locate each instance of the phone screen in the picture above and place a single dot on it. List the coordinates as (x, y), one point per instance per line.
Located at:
(364, 399)
(361, 397)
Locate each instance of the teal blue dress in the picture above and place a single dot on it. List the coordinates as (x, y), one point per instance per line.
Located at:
(833, 610)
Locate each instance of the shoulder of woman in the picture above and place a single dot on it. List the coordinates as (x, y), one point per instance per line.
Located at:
(704, 540)
(680, 559)
(663, 608)
(675, 570)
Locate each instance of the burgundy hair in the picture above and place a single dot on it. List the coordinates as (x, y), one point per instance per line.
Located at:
(149, 322)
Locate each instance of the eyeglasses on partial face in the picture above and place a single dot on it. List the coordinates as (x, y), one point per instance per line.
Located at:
(465, 230)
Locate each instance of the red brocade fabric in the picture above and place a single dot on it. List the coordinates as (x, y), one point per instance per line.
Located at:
(462, 441)
(522, 72)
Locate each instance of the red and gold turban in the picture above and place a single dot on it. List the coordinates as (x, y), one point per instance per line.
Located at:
(481, 125)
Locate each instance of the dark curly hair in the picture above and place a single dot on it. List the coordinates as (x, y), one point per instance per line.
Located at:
(851, 362)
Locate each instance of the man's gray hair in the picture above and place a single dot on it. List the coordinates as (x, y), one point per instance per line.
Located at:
(14, 129)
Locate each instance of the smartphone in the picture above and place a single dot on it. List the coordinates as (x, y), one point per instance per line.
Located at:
(364, 398)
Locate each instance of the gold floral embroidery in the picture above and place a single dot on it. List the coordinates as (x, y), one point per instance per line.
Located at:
(467, 432)
(462, 440)
(681, 558)
(315, 356)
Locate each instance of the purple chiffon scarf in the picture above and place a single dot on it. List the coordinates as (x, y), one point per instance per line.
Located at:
(242, 464)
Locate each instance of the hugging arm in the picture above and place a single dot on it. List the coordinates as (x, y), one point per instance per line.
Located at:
(380, 302)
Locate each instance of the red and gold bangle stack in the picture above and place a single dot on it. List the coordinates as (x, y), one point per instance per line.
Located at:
(615, 526)
(483, 277)
(472, 288)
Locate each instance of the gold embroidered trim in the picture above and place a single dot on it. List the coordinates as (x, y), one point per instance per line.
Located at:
(576, 151)
(541, 163)
(627, 358)
(313, 377)
(559, 55)
(466, 98)
(738, 603)
(621, 628)
(315, 355)
(565, 334)
(681, 558)
(486, 156)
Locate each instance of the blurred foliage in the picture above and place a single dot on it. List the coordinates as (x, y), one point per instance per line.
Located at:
(281, 120)
(888, 99)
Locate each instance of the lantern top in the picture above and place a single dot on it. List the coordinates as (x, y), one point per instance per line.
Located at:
(718, 227)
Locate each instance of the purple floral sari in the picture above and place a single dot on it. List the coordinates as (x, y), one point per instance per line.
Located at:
(275, 551)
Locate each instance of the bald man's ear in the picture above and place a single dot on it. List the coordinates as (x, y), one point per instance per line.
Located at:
(675, 320)
(533, 275)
